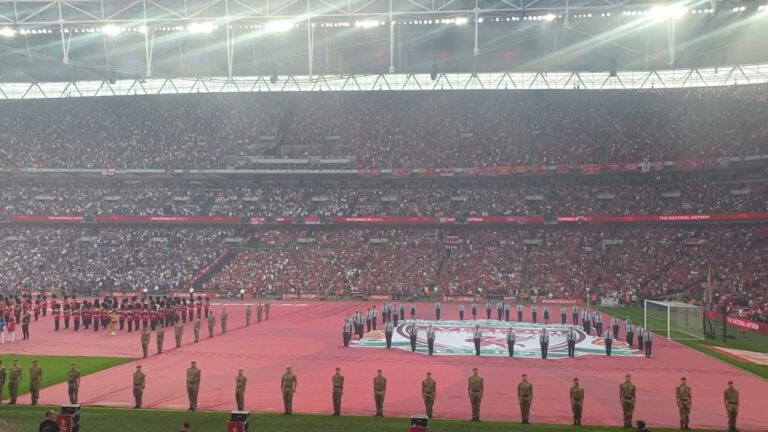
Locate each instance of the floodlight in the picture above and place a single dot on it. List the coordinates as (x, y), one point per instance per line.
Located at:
(461, 20)
(7, 32)
(660, 13)
(549, 17)
(202, 27)
(111, 30)
(143, 29)
(278, 26)
(367, 24)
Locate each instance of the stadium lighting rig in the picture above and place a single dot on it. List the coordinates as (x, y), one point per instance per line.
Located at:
(7, 32)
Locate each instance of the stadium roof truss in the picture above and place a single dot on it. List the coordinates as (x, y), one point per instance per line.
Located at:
(66, 17)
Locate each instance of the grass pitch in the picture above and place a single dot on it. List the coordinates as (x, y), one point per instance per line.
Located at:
(55, 368)
(736, 339)
(125, 420)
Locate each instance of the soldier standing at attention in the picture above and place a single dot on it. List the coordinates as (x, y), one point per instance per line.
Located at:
(731, 399)
(640, 336)
(178, 332)
(461, 312)
(476, 339)
(577, 401)
(266, 310)
(73, 383)
(375, 317)
(563, 314)
(368, 318)
(428, 393)
(499, 310)
(684, 399)
(413, 333)
(159, 338)
(474, 311)
(259, 310)
(519, 310)
(475, 390)
(507, 309)
(288, 385)
(431, 339)
(627, 397)
(395, 314)
(3, 376)
(248, 313)
(608, 339)
(511, 341)
(223, 319)
(14, 379)
(544, 343)
(575, 314)
(35, 377)
(139, 381)
(211, 323)
(546, 315)
(338, 390)
(525, 397)
(437, 311)
(389, 329)
(647, 342)
(534, 313)
(240, 382)
(487, 310)
(585, 320)
(193, 385)
(196, 328)
(571, 339)
(379, 391)
(207, 306)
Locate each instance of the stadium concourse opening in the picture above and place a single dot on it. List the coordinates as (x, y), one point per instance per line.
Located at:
(307, 336)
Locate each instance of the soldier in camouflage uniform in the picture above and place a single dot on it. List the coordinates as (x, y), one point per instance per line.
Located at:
(240, 382)
(379, 391)
(259, 309)
(475, 390)
(223, 320)
(159, 338)
(683, 396)
(193, 385)
(731, 399)
(288, 384)
(211, 324)
(14, 379)
(178, 332)
(196, 328)
(3, 377)
(428, 393)
(145, 342)
(73, 383)
(139, 381)
(525, 397)
(627, 397)
(266, 311)
(577, 401)
(35, 378)
(338, 390)
(248, 313)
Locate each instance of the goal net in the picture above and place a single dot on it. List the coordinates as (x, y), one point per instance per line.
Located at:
(675, 320)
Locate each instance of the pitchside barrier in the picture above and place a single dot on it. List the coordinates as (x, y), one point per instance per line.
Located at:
(675, 320)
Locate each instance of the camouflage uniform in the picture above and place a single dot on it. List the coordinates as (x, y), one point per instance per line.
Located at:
(525, 396)
(628, 398)
(577, 403)
(475, 390)
(683, 396)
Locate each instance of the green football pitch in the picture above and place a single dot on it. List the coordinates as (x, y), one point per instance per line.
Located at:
(736, 339)
(126, 420)
(55, 368)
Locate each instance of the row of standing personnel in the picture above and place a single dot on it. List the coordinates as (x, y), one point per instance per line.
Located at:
(475, 393)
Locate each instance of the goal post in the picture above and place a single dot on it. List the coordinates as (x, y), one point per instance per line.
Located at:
(675, 320)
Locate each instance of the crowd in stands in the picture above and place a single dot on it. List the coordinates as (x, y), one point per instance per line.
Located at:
(87, 260)
(404, 200)
(387, 129)
(650, 262)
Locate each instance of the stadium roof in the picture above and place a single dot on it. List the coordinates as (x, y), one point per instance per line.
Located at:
(74, 40)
